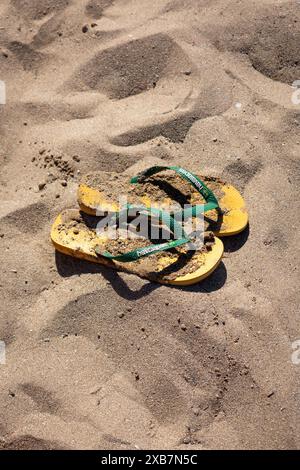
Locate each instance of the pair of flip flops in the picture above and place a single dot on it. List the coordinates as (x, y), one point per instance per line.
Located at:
(169, 259)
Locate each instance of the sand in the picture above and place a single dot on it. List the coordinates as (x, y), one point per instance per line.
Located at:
(101, 360)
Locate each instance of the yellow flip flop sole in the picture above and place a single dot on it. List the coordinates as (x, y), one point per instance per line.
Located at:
(74, 233)
(101, 190)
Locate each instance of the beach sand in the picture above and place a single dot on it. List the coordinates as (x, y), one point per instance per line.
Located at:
(101, 360)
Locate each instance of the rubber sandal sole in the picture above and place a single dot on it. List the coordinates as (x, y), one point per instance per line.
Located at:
(233, 219)
(74, 234)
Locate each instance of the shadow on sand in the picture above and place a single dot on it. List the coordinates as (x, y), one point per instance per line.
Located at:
(68, 266)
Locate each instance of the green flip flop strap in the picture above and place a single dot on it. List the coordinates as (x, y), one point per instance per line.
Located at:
(134, 255)
(206, 193)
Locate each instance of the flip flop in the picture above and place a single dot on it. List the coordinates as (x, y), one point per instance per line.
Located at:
(223, 205)
(75, 233)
